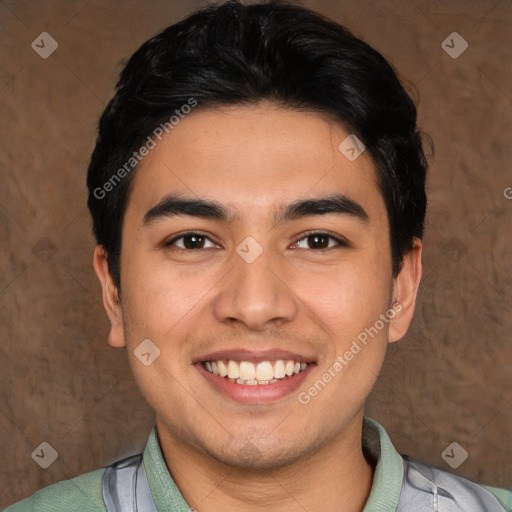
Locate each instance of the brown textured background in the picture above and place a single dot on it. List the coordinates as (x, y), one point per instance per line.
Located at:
(448, 380)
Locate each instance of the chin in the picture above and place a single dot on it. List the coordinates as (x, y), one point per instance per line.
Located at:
(253, 456)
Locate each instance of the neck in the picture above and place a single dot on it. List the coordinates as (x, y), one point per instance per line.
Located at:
(336, 477)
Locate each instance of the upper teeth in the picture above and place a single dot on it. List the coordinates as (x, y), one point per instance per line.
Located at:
(245, 372)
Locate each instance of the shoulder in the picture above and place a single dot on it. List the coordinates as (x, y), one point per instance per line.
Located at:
(80, 494)
(424, 483)
(503, 495)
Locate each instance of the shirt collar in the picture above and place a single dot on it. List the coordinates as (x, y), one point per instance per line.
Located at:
(388, 476)
(166, 494)
(384, 494)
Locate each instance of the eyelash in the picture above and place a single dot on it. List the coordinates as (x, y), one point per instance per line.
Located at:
(339, 241)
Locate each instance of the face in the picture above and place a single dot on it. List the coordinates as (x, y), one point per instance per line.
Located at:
(250, 238)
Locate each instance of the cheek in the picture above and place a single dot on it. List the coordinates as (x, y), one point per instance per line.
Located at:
(163, 304)
(346, 298)
(161, 295)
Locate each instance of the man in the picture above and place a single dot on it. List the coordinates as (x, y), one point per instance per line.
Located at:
(257, 192)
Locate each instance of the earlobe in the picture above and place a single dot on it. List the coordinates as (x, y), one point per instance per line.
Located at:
(405, 291)
(110, 298)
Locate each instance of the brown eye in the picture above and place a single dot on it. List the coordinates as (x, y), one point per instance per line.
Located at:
(193, 241)
(319, 241)
(190, 241)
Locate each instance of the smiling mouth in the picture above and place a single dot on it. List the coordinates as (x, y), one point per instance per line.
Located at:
(252, 374)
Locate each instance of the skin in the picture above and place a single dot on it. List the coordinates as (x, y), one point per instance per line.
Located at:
(223, 454)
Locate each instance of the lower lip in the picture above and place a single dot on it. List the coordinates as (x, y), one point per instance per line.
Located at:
(255, 394)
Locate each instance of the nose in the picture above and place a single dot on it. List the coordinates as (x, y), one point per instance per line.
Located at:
(257, 294)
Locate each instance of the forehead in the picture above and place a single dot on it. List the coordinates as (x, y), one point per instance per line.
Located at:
(253, 158)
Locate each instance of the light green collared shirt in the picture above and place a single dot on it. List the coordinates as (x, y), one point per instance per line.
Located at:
(84, 494)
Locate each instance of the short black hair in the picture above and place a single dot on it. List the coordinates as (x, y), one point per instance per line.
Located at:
(231, 54)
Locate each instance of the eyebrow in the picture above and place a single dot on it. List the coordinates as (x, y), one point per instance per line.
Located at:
(339, 204)
(174, 205)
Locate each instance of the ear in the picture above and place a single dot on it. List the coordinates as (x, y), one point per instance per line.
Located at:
(405, 290)
(110, 297)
